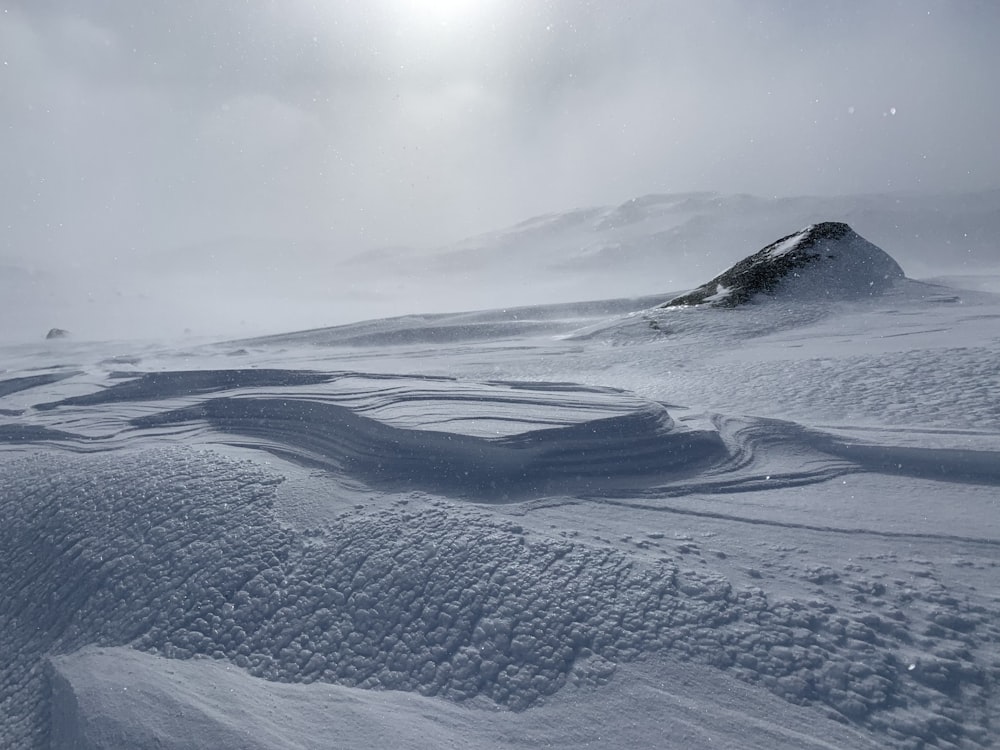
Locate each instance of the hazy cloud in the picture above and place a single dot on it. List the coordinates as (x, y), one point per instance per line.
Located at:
(137, 127)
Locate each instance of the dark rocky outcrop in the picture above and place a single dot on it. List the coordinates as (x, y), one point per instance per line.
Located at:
(822, 261)
(57, 333)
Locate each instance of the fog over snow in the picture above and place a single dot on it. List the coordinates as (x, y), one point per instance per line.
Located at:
(159, 135)
(649, 244)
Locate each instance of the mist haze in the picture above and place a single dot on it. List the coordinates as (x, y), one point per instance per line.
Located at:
(169, 164)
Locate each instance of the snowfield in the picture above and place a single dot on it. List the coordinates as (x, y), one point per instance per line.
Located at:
(605, 524)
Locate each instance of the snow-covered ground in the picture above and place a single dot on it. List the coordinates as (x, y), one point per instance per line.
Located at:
(602, 524)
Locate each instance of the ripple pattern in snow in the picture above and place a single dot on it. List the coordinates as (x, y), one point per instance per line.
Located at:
(492, 441)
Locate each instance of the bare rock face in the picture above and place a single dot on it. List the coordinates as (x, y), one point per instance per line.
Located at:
(823, 261)
(57, 333)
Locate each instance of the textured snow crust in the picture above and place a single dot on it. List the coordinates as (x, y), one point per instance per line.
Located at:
(178, 553)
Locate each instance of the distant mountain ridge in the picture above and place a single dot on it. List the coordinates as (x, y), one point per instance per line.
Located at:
(821, 261)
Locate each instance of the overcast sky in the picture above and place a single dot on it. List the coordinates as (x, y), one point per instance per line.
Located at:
(131, 127)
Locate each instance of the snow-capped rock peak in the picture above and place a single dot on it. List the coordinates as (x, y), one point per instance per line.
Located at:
(822, 261)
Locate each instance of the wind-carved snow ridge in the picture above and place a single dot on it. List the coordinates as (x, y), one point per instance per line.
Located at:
(486, 442)
(177, 552)
(826, 261)
(492, 441)
(629, 450)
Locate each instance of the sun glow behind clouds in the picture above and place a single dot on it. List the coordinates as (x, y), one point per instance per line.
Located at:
(439, 39)
(451, 36)
(443, 15)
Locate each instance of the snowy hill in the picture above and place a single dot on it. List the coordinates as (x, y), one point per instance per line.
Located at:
(826, 261)
(647, 245)
(672, 241)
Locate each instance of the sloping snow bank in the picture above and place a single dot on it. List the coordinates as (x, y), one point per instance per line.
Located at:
(121, 699)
